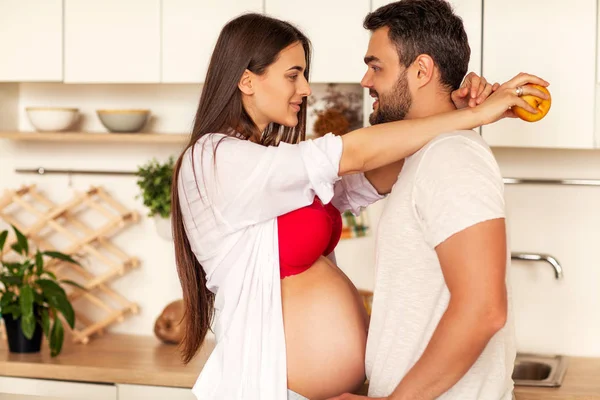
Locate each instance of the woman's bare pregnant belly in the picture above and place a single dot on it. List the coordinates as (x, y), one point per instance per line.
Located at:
(325, 331)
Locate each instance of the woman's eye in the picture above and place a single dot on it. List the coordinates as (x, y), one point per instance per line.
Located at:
(293, 77)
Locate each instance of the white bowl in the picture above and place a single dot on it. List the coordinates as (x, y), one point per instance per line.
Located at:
(51, 119)
(123, 120)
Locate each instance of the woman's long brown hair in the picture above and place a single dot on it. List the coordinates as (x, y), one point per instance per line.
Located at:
(253, 42)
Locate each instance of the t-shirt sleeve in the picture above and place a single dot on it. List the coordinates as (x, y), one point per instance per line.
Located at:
(249, 183)
(458, 184)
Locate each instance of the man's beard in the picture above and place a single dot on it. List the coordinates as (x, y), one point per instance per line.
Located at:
(395, 104)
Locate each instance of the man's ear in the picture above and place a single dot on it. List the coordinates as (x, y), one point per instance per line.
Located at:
(425, 67)
(245, 83)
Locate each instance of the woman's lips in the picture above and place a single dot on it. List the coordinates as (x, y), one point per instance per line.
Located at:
(296, 107)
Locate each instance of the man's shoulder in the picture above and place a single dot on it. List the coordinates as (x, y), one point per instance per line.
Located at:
(455, 150)
(465, 143)
(457, 139)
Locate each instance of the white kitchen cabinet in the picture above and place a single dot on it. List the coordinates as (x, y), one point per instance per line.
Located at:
(471, 13)
(112, 41)
(335, 30)
(556, 41)
(136, 392)
(39, 389)
(31, 40)
(190, 29)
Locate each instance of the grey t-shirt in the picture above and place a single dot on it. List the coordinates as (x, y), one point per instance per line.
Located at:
(451, 184)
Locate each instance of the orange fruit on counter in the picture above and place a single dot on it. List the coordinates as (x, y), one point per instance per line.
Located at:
(543, 106)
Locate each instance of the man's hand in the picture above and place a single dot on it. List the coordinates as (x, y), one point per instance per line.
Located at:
(348, 396)
(473, 91)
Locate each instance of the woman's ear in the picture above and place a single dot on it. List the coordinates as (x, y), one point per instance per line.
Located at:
(245, 83)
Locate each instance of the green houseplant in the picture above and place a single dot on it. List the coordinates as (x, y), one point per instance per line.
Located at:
(155, 179)
(31, 297)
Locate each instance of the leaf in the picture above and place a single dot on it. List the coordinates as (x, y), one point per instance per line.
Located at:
(17, 248)
(3, 236)
(49, 287)
(46, 322)
(57, 298)
(28, 325)
(11, 280)
(25, 267)
(62, 304)
(6, 299)
(39, 263)
(50, 274)
(26, 301)
(57, 337)
(60, 256)
(13, 310)
(22, 241)
(77, 285)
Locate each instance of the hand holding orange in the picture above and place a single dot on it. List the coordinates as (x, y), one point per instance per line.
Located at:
(541, 105)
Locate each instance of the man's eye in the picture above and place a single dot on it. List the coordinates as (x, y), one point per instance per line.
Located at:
(375, 68)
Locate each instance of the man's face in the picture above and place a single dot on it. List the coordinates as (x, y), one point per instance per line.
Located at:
(386, 80)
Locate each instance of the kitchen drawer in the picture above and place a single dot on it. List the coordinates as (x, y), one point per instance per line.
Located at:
(40, 389)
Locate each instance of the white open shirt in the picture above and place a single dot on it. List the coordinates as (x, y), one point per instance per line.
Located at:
(229, 212)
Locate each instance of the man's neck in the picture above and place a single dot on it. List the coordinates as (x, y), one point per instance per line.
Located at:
(427, 106)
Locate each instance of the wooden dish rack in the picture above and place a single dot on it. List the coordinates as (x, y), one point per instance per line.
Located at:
(99, 306)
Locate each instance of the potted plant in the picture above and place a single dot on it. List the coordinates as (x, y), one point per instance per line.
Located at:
(155, 179)
(31, 297)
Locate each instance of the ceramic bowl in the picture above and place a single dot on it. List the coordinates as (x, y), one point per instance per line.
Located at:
(52, 119)
(123, 120)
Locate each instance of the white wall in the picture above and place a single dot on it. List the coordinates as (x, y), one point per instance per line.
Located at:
(551, 316)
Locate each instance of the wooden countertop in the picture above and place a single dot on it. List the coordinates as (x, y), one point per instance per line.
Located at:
(144, 360)
(581, 382)
(112, 358)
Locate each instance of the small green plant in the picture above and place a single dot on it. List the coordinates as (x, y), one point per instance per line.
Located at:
(155, 181)
(33, 293)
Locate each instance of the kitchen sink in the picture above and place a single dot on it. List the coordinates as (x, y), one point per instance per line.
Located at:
(539, 370)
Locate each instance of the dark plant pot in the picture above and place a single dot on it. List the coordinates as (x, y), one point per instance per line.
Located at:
(17, 342)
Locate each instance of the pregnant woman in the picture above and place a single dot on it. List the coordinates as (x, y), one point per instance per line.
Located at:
(257, 211)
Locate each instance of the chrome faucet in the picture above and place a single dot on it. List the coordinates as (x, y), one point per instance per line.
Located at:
(558, 270)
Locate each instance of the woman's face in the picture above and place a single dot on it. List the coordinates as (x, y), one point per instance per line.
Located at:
(278, 93)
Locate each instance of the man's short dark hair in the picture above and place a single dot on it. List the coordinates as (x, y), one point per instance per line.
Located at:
(426, 27)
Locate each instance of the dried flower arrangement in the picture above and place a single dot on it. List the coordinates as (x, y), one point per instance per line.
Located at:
(341, 114)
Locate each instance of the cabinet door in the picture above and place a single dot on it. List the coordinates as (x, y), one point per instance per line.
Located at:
(336, 32)
(40, 389)
(556, 41)
(135, 392)
(472, 14)
(112, 41)
(31, 40)
(190, 29)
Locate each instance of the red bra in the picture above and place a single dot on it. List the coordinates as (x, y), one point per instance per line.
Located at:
(306, 234)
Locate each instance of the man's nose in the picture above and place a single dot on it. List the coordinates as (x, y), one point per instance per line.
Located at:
(366, 81)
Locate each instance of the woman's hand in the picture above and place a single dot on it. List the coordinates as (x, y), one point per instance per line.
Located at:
(499, 104)
(473, 91)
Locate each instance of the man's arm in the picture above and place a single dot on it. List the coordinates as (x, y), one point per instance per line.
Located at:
(473, 262)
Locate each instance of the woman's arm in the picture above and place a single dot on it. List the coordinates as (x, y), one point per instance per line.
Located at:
(372, 147)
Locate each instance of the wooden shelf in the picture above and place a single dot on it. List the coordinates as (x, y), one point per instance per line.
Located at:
(101, 137)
